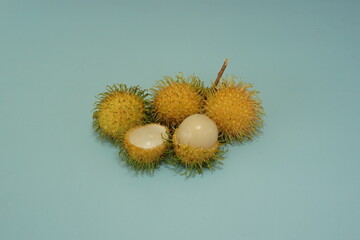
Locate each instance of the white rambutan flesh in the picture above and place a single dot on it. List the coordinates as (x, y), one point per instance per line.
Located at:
(197, 131)
(148, 136)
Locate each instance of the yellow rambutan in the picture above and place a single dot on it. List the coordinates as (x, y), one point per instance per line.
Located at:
(175, 99)
(196, 146)
(119, 109)
(235, 109)
(144, 146)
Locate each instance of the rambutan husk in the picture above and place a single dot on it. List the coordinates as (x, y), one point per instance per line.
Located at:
(191, 160)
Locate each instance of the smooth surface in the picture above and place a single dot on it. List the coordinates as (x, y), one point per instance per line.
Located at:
(299, 180)
(197, 130)
(148, 136)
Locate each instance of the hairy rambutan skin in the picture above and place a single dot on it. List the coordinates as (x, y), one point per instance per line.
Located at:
(119, 109)
(175, 99)
(193, 160)
(235, 109)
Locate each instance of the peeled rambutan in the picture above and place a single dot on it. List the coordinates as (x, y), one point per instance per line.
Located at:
(196, 146)
(145, 146)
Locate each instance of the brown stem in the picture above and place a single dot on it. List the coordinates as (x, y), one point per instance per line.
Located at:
(221, 72)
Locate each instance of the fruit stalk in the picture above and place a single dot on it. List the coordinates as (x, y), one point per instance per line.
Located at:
(221, 72)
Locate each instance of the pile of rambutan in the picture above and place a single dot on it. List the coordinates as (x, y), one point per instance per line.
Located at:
(179, 122)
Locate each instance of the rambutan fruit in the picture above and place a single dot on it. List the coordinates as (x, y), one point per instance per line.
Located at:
(174, 100)
(196, 146)
(144, 146)
(119, 109)
(235, 109)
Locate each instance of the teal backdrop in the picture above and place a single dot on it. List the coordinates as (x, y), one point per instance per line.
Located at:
(298, 180)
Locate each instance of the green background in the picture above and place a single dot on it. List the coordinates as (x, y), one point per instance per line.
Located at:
(299, 180)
